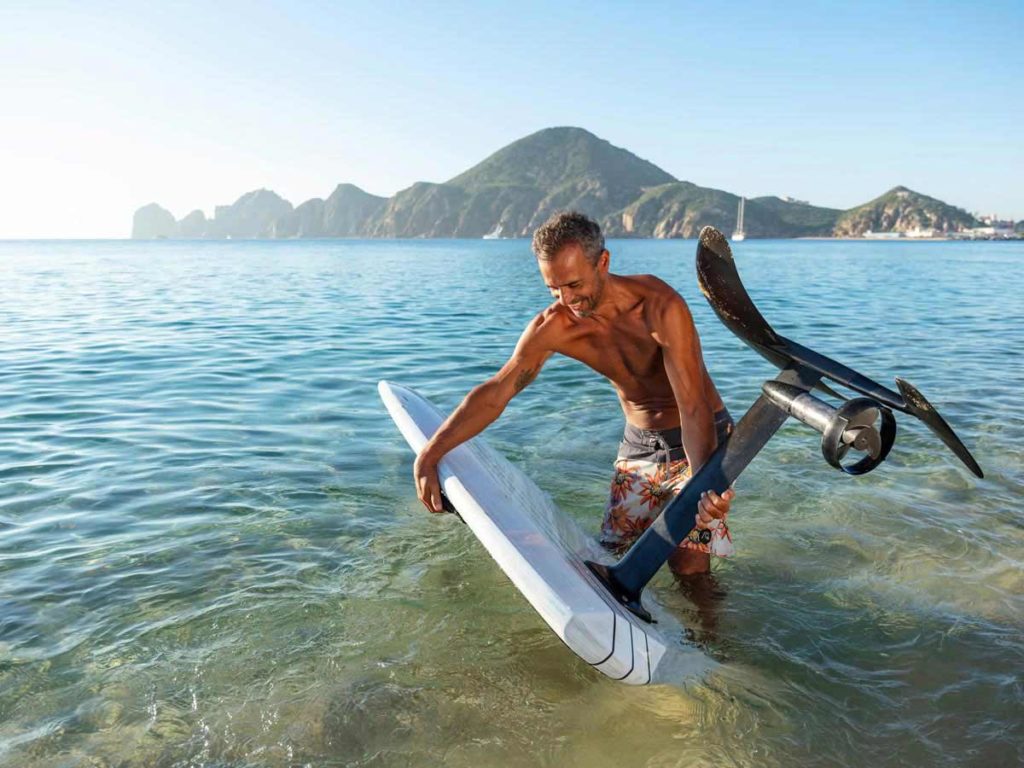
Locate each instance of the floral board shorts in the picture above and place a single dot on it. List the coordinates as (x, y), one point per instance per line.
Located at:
(650, 471)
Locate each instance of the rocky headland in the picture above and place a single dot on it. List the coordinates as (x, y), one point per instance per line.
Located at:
(519, 186)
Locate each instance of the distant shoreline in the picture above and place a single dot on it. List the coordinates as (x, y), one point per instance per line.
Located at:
(906, 239)
(881, 239)
(815, 238)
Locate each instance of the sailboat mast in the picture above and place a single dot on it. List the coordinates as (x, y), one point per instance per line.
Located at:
(740, 234)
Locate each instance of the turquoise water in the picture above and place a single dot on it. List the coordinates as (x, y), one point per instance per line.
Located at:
(211, 552)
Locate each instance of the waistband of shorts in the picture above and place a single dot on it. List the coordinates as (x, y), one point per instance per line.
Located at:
(674, 436)
(640, 443)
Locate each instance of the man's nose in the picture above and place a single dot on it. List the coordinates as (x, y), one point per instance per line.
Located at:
(565, 297)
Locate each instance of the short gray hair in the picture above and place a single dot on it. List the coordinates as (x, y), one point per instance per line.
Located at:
(565, 228)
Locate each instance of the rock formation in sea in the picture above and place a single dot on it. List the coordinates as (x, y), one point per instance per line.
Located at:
(307, 220)
(193, 226)
(348, 210)
(152, 222)
(254, 215)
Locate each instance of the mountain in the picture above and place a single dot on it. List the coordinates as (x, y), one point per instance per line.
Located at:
(520, 185)
(553, 158)
(553, 169)
(682, 209)
(902, 210)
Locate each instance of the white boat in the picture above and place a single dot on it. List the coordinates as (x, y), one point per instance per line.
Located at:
(495, 234)
(739, 235)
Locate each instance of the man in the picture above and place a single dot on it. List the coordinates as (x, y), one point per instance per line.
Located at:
(636, 331)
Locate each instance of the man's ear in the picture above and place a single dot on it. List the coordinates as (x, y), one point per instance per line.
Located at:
(604, 261)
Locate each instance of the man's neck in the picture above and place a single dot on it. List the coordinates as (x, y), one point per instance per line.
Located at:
(615, 300)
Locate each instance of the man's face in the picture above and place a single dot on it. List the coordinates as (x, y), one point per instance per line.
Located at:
(573, 280)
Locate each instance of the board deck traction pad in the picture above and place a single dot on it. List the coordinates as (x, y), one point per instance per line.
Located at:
(533, 543)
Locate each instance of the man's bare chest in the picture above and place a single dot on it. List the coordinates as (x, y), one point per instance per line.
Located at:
(623, 351)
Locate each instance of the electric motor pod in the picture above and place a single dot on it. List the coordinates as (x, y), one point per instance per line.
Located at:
(853, 426)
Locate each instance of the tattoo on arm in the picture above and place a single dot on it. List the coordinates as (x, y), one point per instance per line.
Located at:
(524, 377)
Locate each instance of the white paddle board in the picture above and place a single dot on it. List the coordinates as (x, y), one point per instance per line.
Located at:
(538, 547)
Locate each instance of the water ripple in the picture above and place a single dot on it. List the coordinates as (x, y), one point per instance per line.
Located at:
(211, 553)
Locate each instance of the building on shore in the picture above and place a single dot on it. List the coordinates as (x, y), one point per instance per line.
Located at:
(1002, 232)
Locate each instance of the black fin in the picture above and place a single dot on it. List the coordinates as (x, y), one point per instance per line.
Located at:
(919, 406)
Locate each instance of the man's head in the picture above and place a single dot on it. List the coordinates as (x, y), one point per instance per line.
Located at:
(572, 259)
(567, 227)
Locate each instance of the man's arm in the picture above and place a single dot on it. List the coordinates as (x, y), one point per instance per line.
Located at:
(676, 333)
(684, 364)
(483, 405)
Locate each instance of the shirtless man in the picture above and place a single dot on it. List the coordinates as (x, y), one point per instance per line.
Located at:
(636, 331)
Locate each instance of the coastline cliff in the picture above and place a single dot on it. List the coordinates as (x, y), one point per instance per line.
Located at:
(515, 189)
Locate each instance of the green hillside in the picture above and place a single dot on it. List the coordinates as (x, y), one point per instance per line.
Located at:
(682, 209)
(902, 210)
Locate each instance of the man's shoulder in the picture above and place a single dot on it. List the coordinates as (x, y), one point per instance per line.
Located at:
(550, 323)
(655, 291)
(651, 283)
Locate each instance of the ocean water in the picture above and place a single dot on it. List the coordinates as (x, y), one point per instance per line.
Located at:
(211, 552)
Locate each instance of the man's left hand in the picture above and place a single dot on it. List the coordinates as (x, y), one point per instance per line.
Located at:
(713, 506)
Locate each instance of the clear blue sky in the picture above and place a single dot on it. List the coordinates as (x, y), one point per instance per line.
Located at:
(108, 106)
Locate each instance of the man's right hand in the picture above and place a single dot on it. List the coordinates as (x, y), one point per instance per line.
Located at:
(428, 488)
